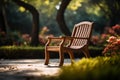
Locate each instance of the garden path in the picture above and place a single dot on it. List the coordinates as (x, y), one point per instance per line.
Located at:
(28, 69)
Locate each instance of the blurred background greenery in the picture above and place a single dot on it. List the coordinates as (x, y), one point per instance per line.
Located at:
(19, 24)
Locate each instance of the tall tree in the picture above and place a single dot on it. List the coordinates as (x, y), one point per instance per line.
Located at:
(60, 17)
(35, 15)
(3, 20)
(111, 9)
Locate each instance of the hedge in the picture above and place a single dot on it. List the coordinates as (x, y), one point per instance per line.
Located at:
(15, 52)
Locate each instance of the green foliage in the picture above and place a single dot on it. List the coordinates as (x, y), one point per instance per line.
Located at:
(95, 48)
(37, 52)
(99, 68)
(18, 20)
(10, 39)
(21, 47)
(19, 52)
(75, 4)
(110, 9)
(78, 10)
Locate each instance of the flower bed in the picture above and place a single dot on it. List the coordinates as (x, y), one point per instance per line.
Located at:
(113, 45)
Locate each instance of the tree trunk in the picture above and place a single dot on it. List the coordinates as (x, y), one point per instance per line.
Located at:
(2, 16)
(35, 27)
(60, 17)
(5, 21)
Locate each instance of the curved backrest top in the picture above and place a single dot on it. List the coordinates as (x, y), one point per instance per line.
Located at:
(82, 30)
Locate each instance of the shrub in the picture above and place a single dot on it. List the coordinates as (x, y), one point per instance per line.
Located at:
(38, 52)
(13, 38)
(99, 41)
(113, 45)
(99, 68)
(16, 52)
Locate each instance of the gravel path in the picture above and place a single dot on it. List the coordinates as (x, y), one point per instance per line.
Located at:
(24, 69)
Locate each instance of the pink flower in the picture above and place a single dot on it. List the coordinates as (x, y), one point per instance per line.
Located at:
(104, 36)
(95, 39)
(116, 28)
(113, 46)
(118, 41)
(112, 39)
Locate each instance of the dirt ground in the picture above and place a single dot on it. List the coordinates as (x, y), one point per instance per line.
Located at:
(28, 69)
